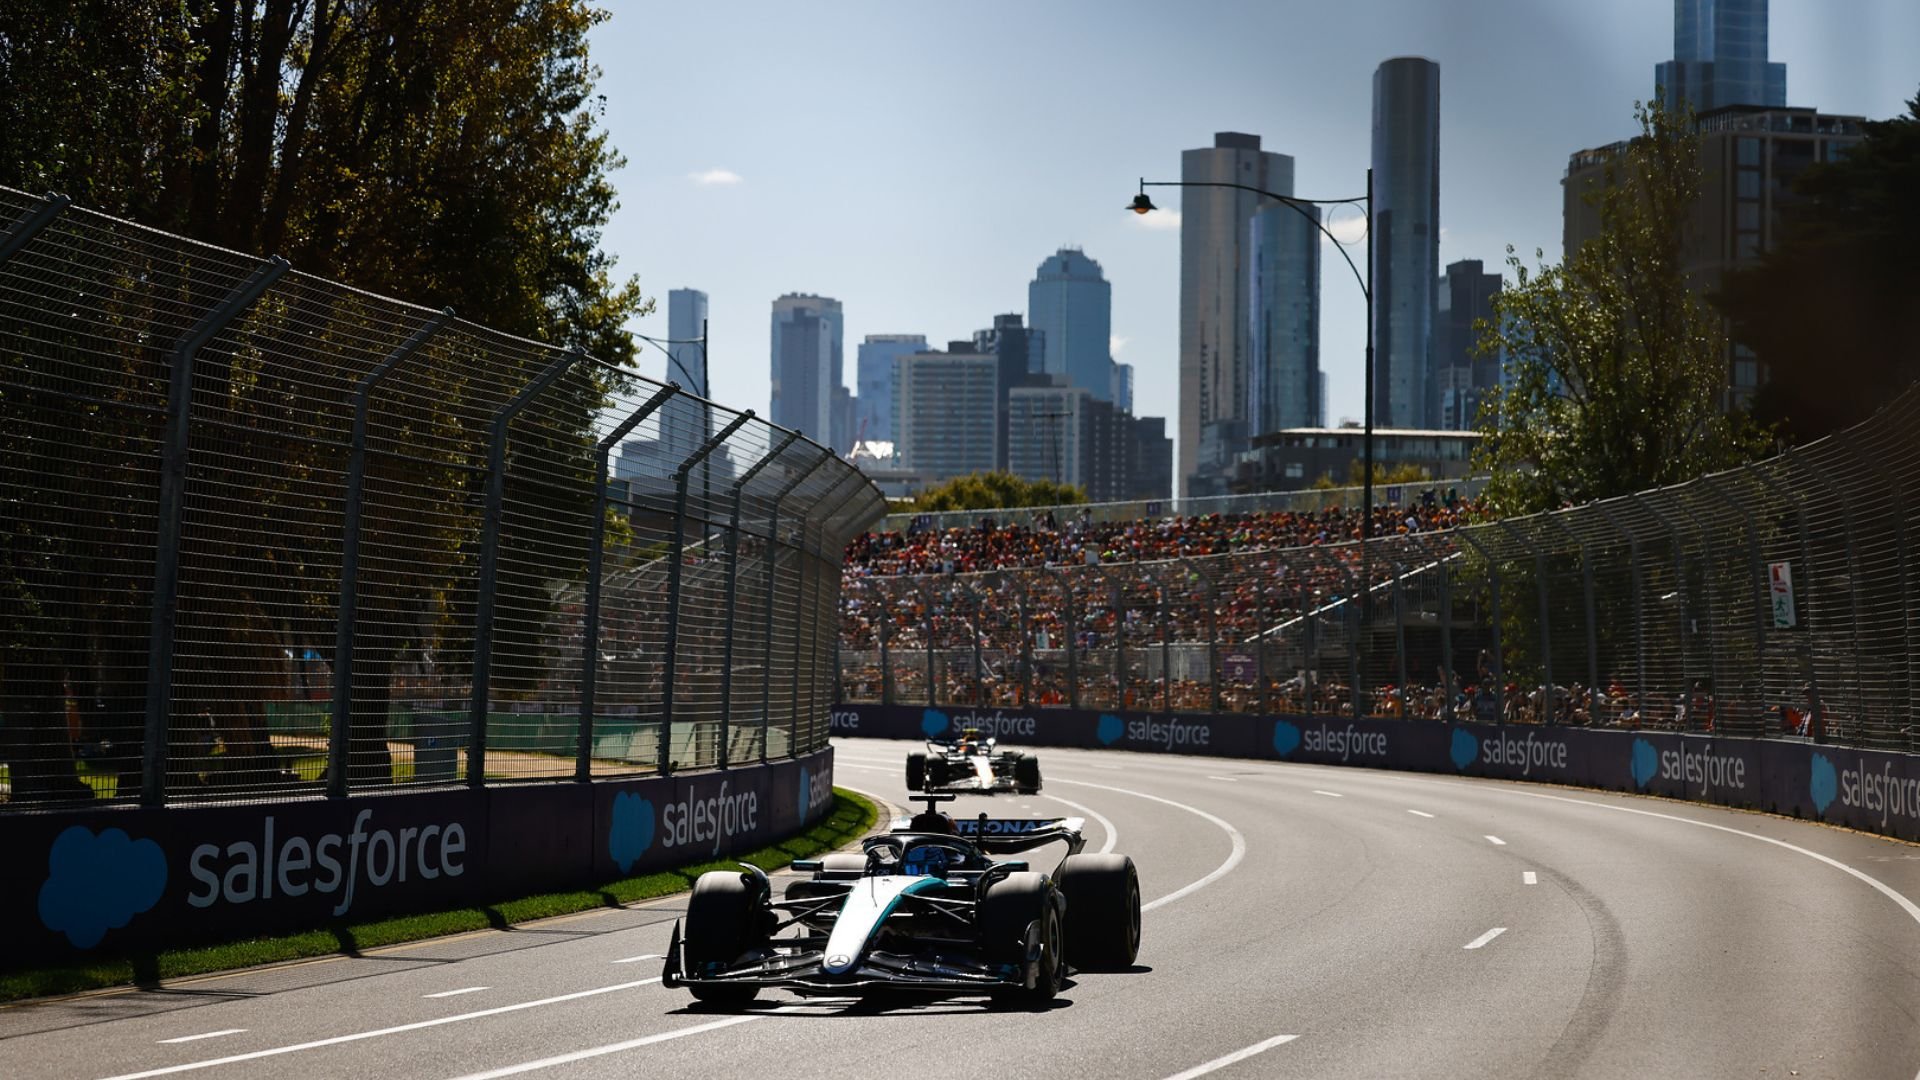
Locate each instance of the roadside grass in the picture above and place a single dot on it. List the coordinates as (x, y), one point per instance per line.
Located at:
(851, 818)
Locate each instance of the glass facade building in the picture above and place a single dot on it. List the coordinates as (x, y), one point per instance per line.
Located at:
(1720, 58)
(1406, 222)
(808, 332)
(1283, 310)
(1071, 304)
(873, 401)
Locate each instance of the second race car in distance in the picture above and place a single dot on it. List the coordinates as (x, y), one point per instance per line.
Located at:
(971, 764)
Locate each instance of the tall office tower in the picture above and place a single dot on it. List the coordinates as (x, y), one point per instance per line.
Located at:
(1016, 348)
(1213, 287)
(1463, 377)
(1071, 304)
(807, 335)
(1122, 396)
(873, 406)
(1406, 244)
(944, 404)
(687, 321)
(1283, 319)
(1719, 58)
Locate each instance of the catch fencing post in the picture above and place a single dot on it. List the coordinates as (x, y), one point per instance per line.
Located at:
(1681, 592)
(1213, 635)
(1448, 674)
(1848, 530)
(885, 625)
(1400, 633)
(676, 554)
(1546, 616)
(926, 630)
(973, 626)
(820, 606)
(1067, 632)
(1166, 647)
(490, 561)
(172, 508)
(339, 724)
(1355, 693)
(1885, 478)
(1117, 603)
(1756, 575)
(1714, 667)
(1309, 652)
(1493, 589)
(1026, 639)
(1639, 610)
(596, 554)
(30, 223)
(733, 595)
(766, 641)
(1818, 726)
(1586, 594)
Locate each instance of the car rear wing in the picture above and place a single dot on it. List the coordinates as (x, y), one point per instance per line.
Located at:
(999, 835)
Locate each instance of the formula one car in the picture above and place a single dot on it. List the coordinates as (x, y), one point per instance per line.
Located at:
(930, 906)
(972, 765)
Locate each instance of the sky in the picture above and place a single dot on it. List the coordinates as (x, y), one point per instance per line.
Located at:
(917, 161)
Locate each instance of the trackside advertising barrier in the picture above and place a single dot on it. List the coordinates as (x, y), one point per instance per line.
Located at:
(127, 880)
(1874, 791)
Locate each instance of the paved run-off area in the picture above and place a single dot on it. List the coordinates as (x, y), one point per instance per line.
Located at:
(1302, 921)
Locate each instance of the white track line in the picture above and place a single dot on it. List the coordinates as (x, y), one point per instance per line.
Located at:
(1228, 779)
(1484, 938)
(457, 993)
(1237, 1055)
(642, 956)
(1233, 859)
(377, 1032)
(611, 1048)
(1329, 794)
(1420, 813)
(1113, 834)
(206, 1035)
(1496, 841)
(1528, 877)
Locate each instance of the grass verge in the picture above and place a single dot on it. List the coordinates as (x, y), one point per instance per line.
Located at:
(852, 817)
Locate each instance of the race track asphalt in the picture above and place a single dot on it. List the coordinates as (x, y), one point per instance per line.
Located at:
(1303, 921)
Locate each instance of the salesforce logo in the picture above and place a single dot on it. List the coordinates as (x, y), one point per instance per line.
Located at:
(1286, 738)
(1111, 728)
(632, 831)
(99, 883)
(1646, 762)
(934, 723)
(1824, 783)
(1465, 748)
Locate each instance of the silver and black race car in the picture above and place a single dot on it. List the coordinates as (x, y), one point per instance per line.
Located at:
(930, 906)
(971, 765)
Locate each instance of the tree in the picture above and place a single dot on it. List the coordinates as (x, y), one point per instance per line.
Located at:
(1831, 309)
(995, 491)
(1615, 367)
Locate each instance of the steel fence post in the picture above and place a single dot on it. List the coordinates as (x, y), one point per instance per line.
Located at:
(172, 509)
(1817, 728)
(487, 583)
(1715, 669)
(773, 555)
(1757, 576)
(1356, 695)
(1213, 635)
(1681, 591)
(27, 225)
(1851, 443)
(1117, 603)
(339, 722)
(1309, 651)
(676, 554)
(596, 554)
(733, 593)
(1849, 531)
(1026, 639)
(1639, 609)
(821, 604)
(1493, 590)
(1166, 647)
(1072, 625)
(1558, 521)
(979, 667)
(926, 630)
(1449, 675)
(1400, 633)
(1546, 616)
(884, 624)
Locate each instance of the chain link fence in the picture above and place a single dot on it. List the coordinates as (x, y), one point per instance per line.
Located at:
(265, 535)
(1777, 599)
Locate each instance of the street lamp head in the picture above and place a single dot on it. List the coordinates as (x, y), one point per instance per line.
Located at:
(1142, 204)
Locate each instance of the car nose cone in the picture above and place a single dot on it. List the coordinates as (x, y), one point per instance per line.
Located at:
(839, 961)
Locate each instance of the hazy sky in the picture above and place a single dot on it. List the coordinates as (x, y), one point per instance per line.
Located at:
(917, 161)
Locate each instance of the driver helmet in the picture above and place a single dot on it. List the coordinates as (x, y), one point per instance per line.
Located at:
(933, 821)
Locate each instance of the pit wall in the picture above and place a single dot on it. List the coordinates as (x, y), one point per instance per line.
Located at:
(1864, 789)
(94, 882)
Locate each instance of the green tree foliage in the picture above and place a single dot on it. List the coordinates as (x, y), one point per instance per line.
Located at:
(1833, 310)
(1616, 368)
(443, 151)
(995, 491)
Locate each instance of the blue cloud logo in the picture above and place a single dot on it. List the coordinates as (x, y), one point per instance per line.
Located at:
(935, 723)
(1111, 728)
(632, 831)
(1286, 738)
(1646, 762)
(1824, 785)
(1465, 748)
(99, 883)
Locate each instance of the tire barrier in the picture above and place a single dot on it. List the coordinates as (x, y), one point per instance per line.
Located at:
(88, 882)
(1871, 790)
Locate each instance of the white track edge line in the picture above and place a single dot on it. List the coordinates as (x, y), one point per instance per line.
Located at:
(1233, 858)
(1238, 1055)
(611, 1048)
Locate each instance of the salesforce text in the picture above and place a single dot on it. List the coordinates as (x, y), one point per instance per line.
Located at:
(253, 871)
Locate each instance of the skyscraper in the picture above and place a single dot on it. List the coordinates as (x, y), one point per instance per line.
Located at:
(873, 405)
(1015, 346)
(687, 321)
(1283, 311)
(1406, 243)
(944, 410)
(1461, 377)
(1071, 304)
(807, 336)
(1720, 58)
(1213, 287)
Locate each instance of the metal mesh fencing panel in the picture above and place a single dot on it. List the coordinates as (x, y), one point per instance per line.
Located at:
(269, 536)
(1777, 599)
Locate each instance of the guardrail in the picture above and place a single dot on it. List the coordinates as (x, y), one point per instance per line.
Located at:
(1777, 599)
(266, 536)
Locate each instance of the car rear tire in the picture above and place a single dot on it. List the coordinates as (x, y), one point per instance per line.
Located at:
(726, 916)
(916, 771)
(1103, 904)
(1026, 775)
(936, 772)
(1010, 905)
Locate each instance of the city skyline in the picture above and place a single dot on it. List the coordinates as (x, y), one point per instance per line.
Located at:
(911, 245)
